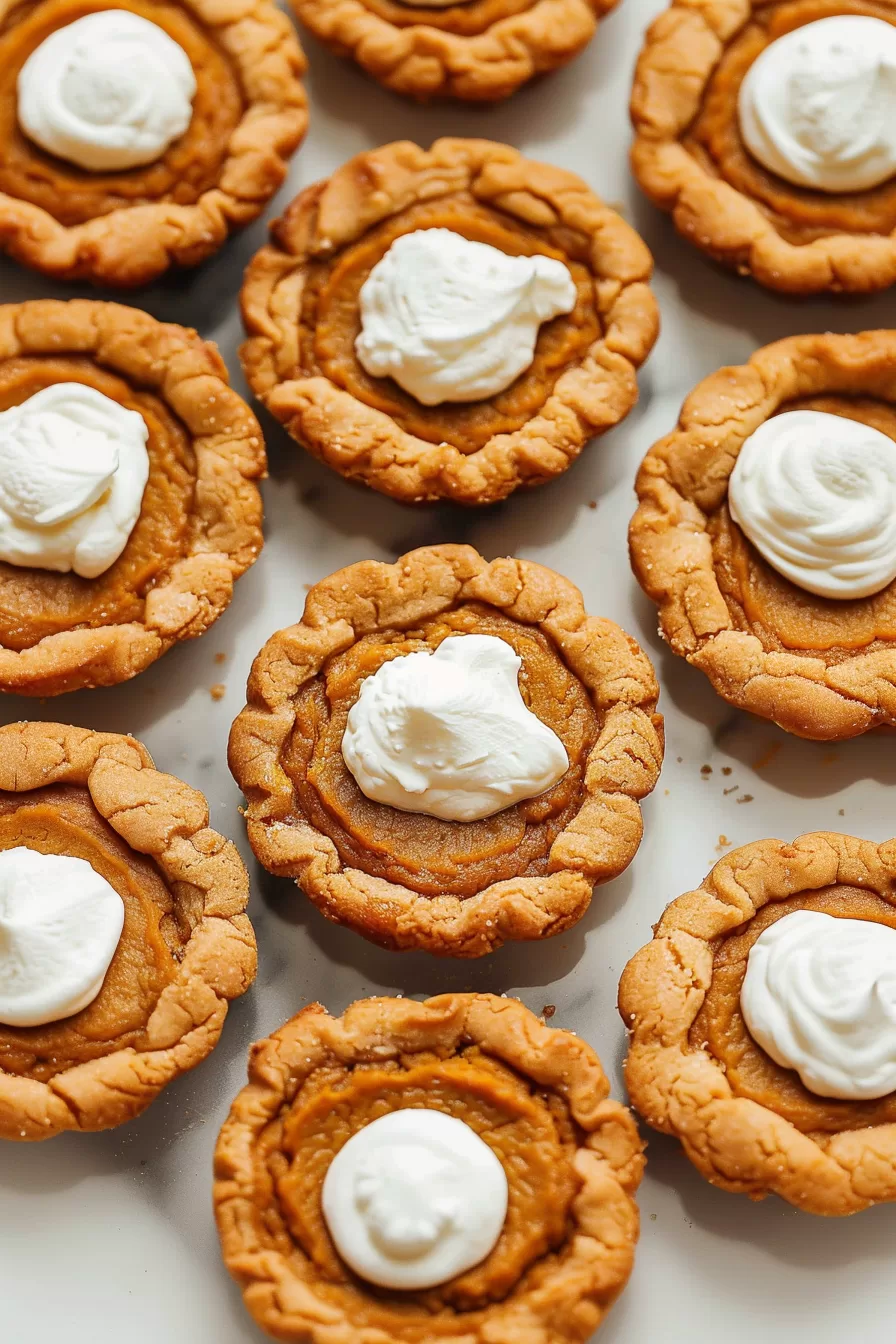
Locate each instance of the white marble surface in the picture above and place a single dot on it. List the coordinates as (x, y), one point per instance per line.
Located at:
(110, 1237)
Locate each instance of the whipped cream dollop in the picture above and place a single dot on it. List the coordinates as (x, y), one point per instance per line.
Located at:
(414, 1199)
(453, 320)
(816, 495)
(818, 106)
(819, 996)
(107, 92)
(449, 734)
(73, 468)
(60, 923)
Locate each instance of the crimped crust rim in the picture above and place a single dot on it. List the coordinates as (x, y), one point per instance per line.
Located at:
(623, 767)
(132, 245)
(672, 555)
(736, 1143)
(189, 375)
(609, 1159)
(681, 50)
(423, 61)
(366, 444)
(158, 815)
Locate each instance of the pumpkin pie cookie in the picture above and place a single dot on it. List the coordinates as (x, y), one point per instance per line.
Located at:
(768, 129)
(123, 932)
(479, 51)
(415, 1172)
(447, 753)
(762, 1023)
(137, 134)
(451, 323)
(128, 496)
(766, 535)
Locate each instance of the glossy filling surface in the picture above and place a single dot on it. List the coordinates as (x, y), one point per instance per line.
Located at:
(423, 853)
(531, 1133)
(63, 820)
(36, 603)
(720, 1026)
(188, 167)
(782, 615)
(714, 137)
(330, 323)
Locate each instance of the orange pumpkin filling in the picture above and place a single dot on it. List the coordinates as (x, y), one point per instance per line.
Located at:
(428, 855)
(714, 138)
(189, 167)
(63, 820)
(462, 20)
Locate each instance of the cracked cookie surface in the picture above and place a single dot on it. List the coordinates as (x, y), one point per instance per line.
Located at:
(411, 881)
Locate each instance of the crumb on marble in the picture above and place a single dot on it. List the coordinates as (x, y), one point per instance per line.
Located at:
(218, 691)
(744, 798)
(220, 658)
(548, 1011)
(706, 771)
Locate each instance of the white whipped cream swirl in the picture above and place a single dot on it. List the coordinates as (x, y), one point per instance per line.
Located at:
(819, 996)
(449, 734)
(816, 495)
(60, 923)
(107, 92)
(414, 1199)
(453, 320)
(818, 106)
(73, 468)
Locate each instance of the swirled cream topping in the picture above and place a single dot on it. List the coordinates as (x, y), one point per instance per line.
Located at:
(816, 495)
(73, 468)
(60, 923)
(414, 1199)
(454, 320)
(107, 92)
(818, 106)
(449, 734)
(819, 996)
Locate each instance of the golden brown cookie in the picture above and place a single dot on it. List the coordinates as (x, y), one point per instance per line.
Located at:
(406, 880)
(125, 228)
(538, 1097)
(482, 50)
(200, 523)
(300, 307)
(820, 667)
(690, 158)
(186, 949)
(693, 1070)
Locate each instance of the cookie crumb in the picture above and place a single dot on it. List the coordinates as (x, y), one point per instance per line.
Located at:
(706, 770)
(734, 788)
(724, 843)
(218, 691)
(220, 658)
(841, 812)
(727, 769)
(548, 1011)
(653, 1217)
(744, 798)
(592, 503)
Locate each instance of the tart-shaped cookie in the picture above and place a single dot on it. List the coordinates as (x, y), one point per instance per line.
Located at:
(481, 50)
(765, 533)
(137, 135)
(412, 1172)
(768, 129)
(123, 924)
(762, 1023)
(448, 323)
(447, 753)
(128, 496)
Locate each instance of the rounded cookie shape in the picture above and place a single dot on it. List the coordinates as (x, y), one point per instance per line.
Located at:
(537, 1096)
(199, 527)
(411, 881)
(185, 890)
(693, 1070)
(819, 667)
(690, 158)
(123, 228)
(479, 51)
(300, 303)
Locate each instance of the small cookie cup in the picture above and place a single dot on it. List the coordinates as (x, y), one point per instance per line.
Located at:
(748, 1124)
(537, 1097)
(301, 309)
(186, 946)
(407, 880)
(819, 667)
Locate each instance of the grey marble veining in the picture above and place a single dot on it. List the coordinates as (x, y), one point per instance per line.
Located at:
(110, 1237)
